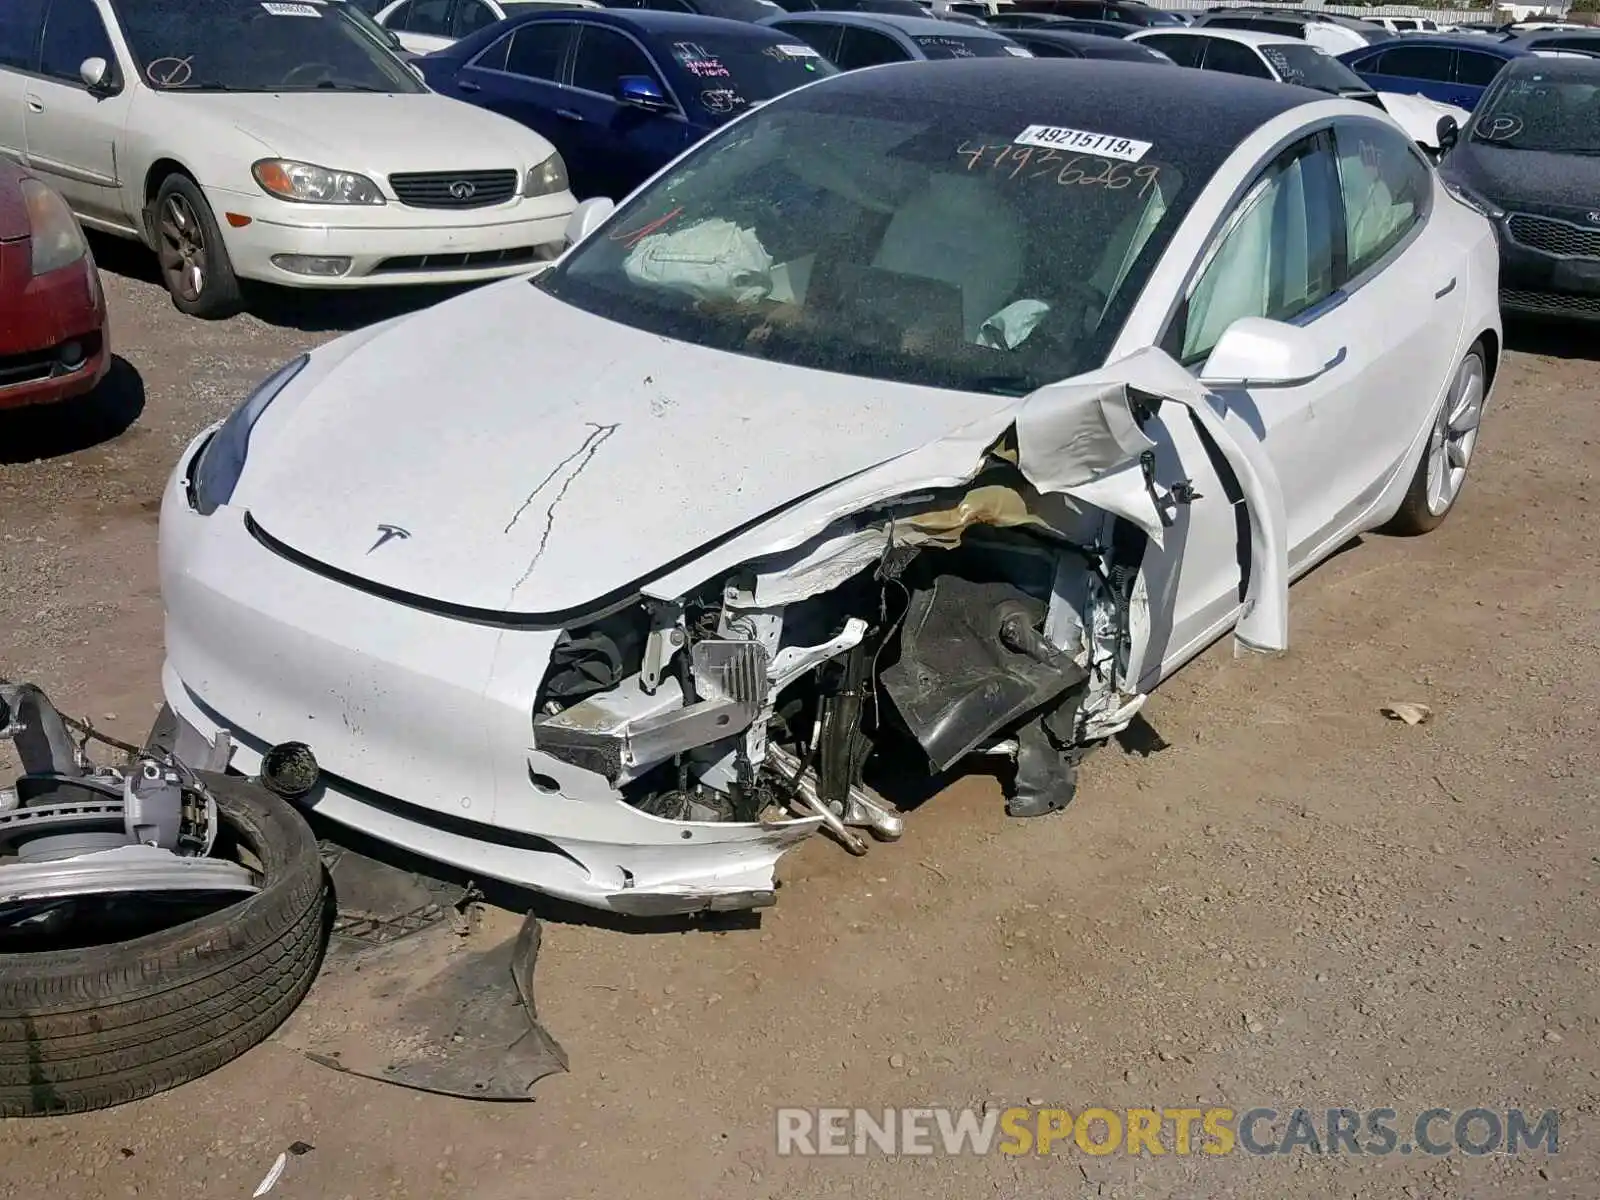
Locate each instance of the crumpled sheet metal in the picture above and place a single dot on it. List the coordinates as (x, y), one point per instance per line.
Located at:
(1079, 439)
(1075, 438)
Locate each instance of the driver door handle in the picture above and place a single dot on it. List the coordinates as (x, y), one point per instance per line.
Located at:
(466, 85)
(35, 104)
(1445, 290)
(568, 114)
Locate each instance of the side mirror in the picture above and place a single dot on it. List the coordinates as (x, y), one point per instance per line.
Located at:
(640, 91)
(587, 217)
(96, 75)
(1255, 352)
(1449, 133)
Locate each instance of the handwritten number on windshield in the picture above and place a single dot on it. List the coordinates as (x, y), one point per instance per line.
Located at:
(1082, 170)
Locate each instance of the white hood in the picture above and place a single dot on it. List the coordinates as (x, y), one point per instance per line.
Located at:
(374, 133)
(540, 457)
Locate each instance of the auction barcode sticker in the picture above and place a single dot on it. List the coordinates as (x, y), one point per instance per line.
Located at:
(1081, 141)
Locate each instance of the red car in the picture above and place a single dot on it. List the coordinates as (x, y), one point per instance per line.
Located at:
(52, 313)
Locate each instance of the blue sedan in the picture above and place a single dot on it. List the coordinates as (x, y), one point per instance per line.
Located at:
(858, 39)
(621, 94)
(1454, 70)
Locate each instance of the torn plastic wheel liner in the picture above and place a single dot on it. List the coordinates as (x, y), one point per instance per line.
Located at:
(155, 922)
(444, 1005)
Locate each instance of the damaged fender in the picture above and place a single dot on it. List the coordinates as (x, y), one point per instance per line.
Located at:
(1083, 439)
(1080, 439)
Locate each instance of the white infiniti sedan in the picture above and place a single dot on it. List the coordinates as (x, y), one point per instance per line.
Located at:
(936, 407)
(273, 140)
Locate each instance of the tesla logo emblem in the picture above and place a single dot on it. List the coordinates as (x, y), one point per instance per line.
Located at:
(462, 189)
(387, 534)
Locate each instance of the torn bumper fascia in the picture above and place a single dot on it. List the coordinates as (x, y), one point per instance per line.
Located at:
(423, 723)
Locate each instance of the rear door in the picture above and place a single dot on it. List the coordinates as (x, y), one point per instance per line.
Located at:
(621, 145)
(519, 76)
(73, 133)
(1405, 298)
(422, 26)
(1413, 70)
(471, 16)
(1474, 71)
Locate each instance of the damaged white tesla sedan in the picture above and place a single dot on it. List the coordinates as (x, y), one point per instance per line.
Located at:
(954, 404)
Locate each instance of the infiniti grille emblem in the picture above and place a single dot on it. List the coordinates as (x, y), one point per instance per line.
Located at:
(388, 533)
(463, 189)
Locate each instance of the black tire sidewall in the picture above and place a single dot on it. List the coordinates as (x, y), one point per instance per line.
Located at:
(88, 1028)
(220, 295)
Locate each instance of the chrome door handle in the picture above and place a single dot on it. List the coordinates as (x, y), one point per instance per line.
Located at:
(1445, 290)
(567, 114)
(467, 86)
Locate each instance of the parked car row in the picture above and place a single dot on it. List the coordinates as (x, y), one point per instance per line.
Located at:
(287, 143)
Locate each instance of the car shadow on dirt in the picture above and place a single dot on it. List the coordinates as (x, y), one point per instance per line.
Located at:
(1552, 339)
(51, 430)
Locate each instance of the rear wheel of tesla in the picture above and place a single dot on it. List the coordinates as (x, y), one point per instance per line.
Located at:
(1442, 473)
(87, 1023)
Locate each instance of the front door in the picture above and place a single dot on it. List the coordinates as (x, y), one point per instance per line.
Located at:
(622, 145)
(1275, 257)
(72, 132)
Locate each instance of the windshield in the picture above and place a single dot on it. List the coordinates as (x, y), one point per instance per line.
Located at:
(839, 232)
(1309, 67)
(727, 74)
(258, 46)
(1540, 112)
(953, 45)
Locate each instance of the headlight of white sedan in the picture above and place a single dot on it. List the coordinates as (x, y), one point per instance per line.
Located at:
(308, 183)
(222, 458)
(548, 177)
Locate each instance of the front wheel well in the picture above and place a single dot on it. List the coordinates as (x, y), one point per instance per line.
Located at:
(153, 179)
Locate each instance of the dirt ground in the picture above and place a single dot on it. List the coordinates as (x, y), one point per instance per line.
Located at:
(1296, 903)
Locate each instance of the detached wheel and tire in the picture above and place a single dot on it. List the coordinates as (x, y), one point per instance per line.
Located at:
(92, 1027)
(1443, 470)
(194, 262)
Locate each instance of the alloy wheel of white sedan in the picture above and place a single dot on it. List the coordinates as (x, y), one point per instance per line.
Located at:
(938, 409)
(1456, 434)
